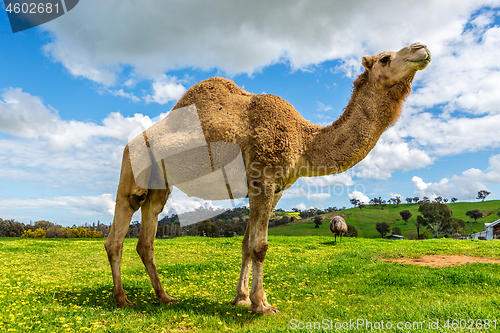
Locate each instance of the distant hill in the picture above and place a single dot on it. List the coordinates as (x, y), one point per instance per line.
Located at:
(364, 220)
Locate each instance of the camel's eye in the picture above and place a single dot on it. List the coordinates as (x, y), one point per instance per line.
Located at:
(385, 59)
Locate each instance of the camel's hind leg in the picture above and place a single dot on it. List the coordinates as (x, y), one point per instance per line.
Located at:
(242, 293)
(150, 209)
(128, 200)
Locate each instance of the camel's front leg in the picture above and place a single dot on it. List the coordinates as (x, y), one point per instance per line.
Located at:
(261, 207)
(150, 209)
(242, 292)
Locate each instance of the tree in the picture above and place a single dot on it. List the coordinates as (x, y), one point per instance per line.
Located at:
(439, 199)
(409, 200)
(397, 200)
(383, 228)
(405, 215)
(421, 222)
(482, 194)
(396, 231)
(317, 221)
(228, 232)
(457, 226)
(383, 203)
(454, 199)
(361, 206)
(425, 200)
(354, 202)
(474, 214)
(351, 231)
(438, 216)
(416, 199)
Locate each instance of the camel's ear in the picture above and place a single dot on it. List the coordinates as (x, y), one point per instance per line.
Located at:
(367, 62)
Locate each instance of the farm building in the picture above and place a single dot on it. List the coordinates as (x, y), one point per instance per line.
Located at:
(492, 231)
(395, 237)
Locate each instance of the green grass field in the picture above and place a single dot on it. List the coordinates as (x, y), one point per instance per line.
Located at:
(64, 285)
(364, 220)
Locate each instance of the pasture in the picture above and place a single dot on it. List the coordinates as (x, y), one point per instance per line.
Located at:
(64, 285)
(364, 220)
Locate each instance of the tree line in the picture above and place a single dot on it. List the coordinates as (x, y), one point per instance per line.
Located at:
(436, 220)
(46, 229)
(481, 195)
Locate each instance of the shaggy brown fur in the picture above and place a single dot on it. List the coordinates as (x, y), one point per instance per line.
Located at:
(338, 227)
(278, 147)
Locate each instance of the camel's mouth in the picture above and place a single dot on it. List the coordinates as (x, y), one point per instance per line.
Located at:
(419, 64)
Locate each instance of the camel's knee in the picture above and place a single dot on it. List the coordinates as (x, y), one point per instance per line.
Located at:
(113, 249)
(144, 250)
(259, 252)
(135, 201)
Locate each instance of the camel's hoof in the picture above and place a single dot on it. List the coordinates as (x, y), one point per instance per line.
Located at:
(167, 300)
(240, 301)
(125, 303)
(264, 310)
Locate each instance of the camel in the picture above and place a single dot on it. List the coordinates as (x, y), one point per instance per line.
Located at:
(278, 147)
(338, 227)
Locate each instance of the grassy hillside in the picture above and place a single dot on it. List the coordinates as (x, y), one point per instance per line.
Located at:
(364, 220)
(64, 285)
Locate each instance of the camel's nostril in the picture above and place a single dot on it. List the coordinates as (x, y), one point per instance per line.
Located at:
(418, 46)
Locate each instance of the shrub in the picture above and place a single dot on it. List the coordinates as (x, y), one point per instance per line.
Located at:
(317, 221)
(228, 232)
(38, 233)
(396, 231)
(351, 231)
(426, 235)
(383, 228)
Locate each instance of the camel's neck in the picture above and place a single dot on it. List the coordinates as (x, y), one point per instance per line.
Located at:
(348, 140)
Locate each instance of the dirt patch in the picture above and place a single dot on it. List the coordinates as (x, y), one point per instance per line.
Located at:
(435, 260)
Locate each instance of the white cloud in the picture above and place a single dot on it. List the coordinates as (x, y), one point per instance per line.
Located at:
(351, 67)
(360, 196)
(80, 205)
(25, 116)
(390, 154)
(300, 206)
(59, 154)
(342, 179)
(124, 94)
(179, 202)
(77, 60)
(464, 186)
(165, 89)
(92, 41)
(461, 84)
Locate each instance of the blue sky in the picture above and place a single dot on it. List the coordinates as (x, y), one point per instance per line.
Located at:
(72, 90)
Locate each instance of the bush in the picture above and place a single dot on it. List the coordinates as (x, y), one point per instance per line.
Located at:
(412, 235)
(228, 232)
(426, 235)
(56, 232)
(383, 228)
(351, 231)
(317, 221)
(396, 231)
(38, 233)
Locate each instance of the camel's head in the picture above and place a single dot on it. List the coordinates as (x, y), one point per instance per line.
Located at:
(388, 68)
